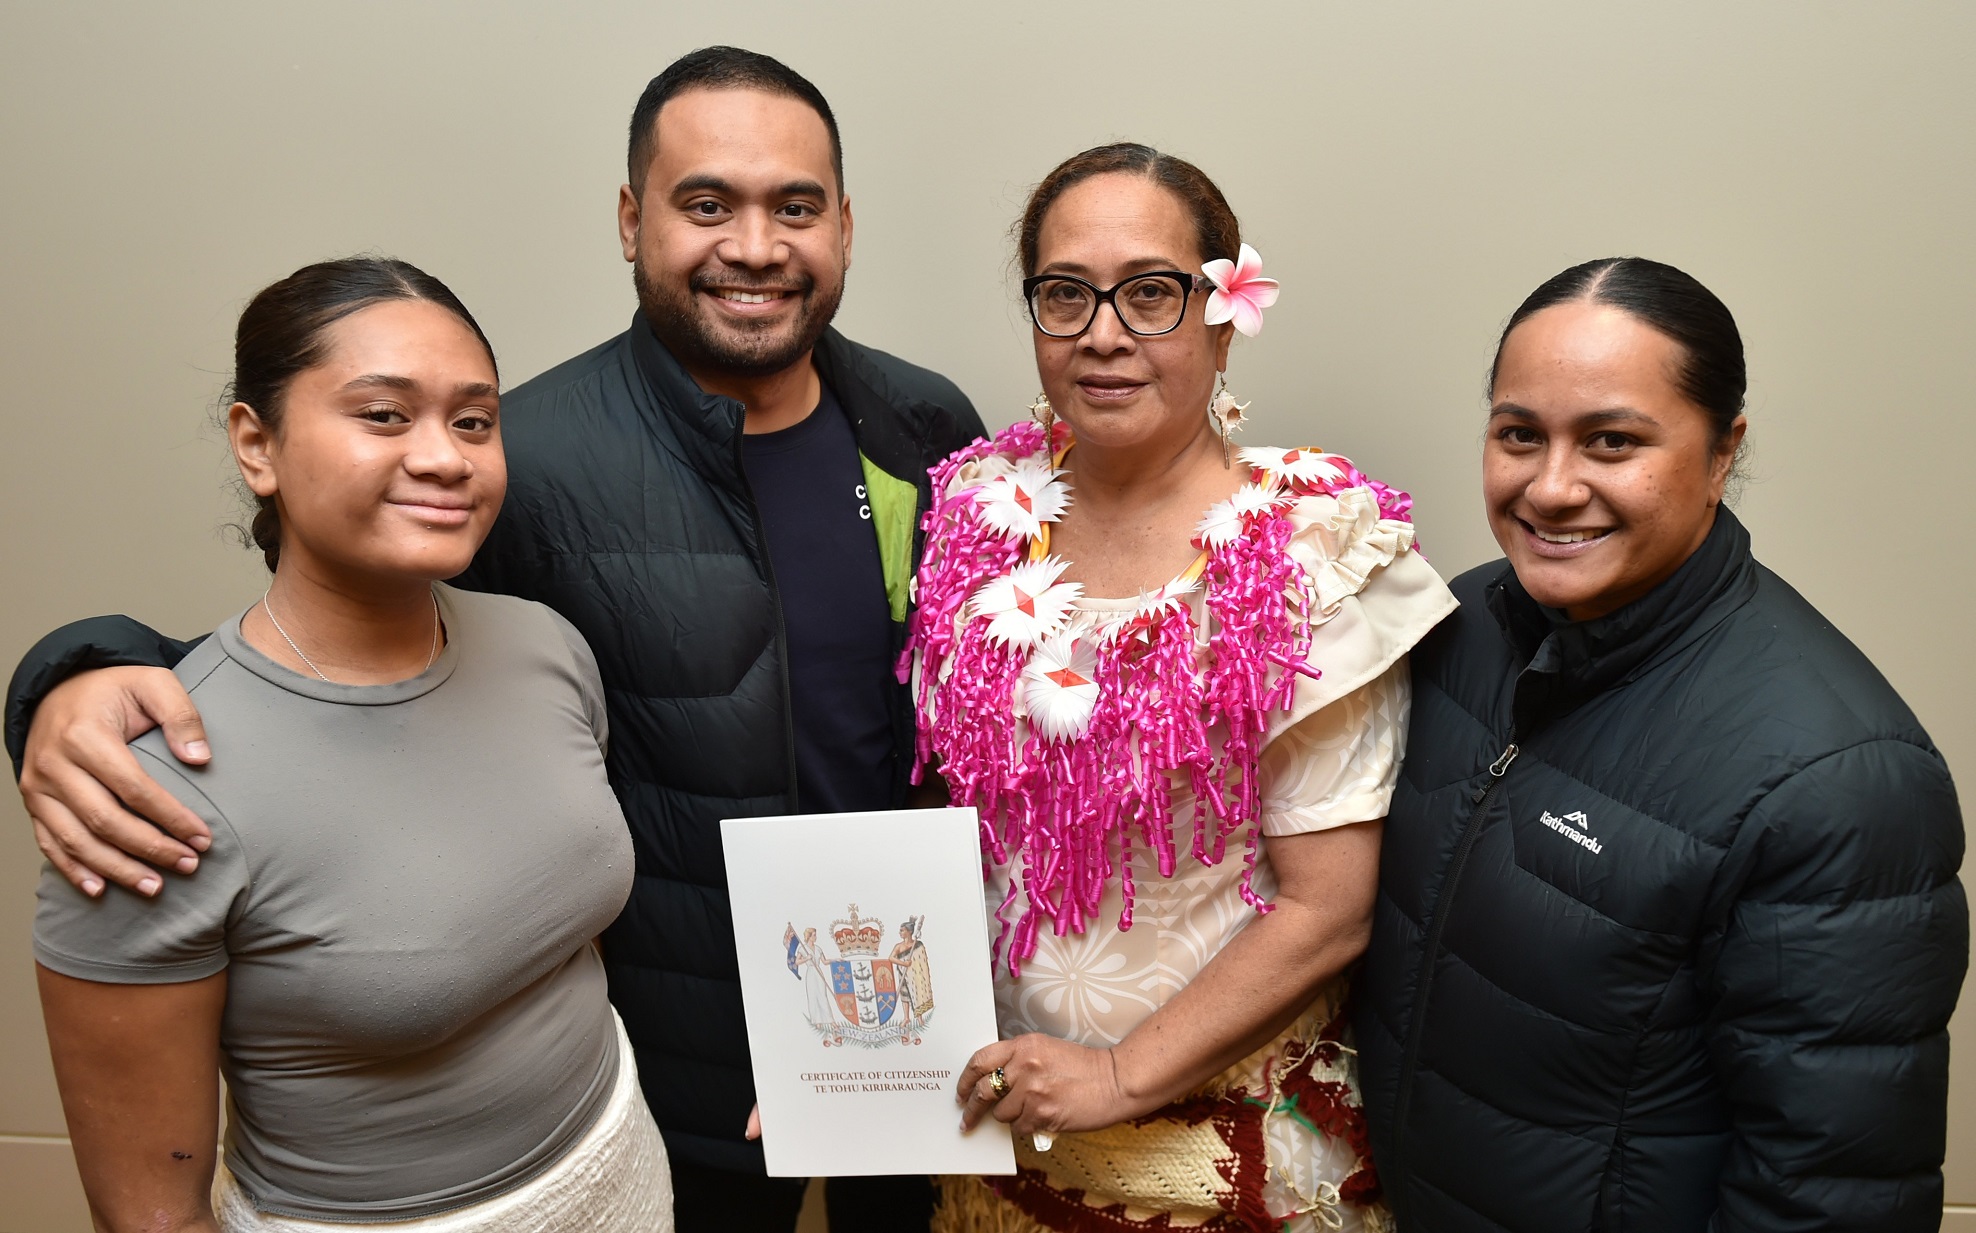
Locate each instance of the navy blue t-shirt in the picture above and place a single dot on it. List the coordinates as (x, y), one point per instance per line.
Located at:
(816, 520)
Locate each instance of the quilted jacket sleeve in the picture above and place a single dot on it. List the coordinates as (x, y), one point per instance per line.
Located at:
(99, 642)
(1831, 982)
(967, 425)
(511, 559)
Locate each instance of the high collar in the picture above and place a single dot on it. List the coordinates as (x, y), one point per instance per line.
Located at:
(1568, 662)
(706, 426)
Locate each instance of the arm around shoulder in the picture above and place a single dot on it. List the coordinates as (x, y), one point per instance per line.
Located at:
(1831, 977)
(77, 701)
(99, 642)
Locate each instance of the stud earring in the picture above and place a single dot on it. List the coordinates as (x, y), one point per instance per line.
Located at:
(1226, 416)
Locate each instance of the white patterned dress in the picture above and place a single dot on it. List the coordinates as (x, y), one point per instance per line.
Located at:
(1330, 761)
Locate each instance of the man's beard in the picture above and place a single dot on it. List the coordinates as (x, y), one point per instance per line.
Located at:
(739, 349)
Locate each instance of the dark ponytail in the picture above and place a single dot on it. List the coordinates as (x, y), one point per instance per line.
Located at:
(281, 334)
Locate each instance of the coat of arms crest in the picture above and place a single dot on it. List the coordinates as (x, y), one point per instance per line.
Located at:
(860, 997)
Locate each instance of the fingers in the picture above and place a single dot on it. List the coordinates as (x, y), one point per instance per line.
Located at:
(77, 752)
(979, 1101)
(133, 792)
(983, 1063)
(1011, 1107)
(80, 856)
(161, 697)
(1021, 1107)
(77, 874)
(754, 1130)
(150, 695)
(96, 778)
(96, 792)
(974, 1090)
(1049, 1086)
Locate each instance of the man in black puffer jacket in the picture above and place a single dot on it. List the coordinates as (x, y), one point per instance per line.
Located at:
(740, 572)
(1623, 977)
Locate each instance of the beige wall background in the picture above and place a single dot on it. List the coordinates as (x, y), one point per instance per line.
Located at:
(1409, 171)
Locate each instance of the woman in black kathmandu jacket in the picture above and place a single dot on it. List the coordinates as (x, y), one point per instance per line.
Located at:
(1669, 929)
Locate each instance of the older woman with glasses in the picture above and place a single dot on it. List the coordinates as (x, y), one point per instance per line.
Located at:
(1179, 705)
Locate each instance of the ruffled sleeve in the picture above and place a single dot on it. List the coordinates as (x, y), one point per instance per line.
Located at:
(1339, 764)
(1377, 597)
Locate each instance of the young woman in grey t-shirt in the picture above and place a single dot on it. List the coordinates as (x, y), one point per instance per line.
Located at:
(387, 949)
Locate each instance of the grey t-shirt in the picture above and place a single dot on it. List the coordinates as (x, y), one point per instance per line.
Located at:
(402, 889)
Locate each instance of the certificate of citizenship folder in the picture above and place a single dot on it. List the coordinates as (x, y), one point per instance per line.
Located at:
(863, 945)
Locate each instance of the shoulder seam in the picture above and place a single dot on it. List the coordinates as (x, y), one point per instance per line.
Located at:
(207, 674)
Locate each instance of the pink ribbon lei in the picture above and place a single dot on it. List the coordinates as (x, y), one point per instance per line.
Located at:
(1069, 809)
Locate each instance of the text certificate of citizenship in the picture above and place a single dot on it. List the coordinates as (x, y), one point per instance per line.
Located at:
(863, 945)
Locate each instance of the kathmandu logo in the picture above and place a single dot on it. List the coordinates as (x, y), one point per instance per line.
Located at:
(1573, 827)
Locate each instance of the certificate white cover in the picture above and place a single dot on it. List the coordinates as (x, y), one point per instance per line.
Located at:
(877, 916)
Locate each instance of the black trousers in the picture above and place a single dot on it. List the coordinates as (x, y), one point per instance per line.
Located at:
(716, 1201)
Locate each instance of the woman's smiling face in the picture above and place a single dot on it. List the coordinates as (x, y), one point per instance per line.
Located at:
(1599, 474)
(1117, 388)
(387, 460)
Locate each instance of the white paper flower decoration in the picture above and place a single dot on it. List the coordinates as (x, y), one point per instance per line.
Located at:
(1060, 688)
(1027, 604)
(1299, 466)
(1252, 498)
(1021, 501)
(1173, 595)
(1136, 624)
(1219, 527)
(1225, 520)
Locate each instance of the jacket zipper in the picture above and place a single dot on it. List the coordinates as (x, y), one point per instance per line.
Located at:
(1417, 1022)
(775, 602)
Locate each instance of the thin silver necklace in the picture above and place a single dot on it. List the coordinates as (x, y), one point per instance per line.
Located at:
(430, 655)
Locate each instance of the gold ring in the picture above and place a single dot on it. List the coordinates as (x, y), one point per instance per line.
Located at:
(999, 1084)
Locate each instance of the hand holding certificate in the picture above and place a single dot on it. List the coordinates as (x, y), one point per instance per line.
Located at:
(863, 948)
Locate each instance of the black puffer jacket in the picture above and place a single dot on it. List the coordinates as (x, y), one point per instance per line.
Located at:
(1669, 929)
(629, 513)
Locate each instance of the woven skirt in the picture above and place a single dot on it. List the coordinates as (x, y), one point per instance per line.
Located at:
(1277, 1143)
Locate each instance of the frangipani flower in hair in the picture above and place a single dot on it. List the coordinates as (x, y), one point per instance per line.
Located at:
(1241, 292)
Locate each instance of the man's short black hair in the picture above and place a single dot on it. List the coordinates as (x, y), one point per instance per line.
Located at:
(722, 68)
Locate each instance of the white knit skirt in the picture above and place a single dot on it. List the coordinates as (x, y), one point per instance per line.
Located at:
(614, 1180)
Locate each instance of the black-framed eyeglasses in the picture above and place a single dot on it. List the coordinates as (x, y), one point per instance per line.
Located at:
(1064, 306)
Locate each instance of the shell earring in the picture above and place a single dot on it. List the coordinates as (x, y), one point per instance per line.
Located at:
(1226, 416)
(1043, 413)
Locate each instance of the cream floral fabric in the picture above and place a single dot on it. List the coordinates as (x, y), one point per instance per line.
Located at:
(1334, 768)
(1337, 765)
(1331, 761)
